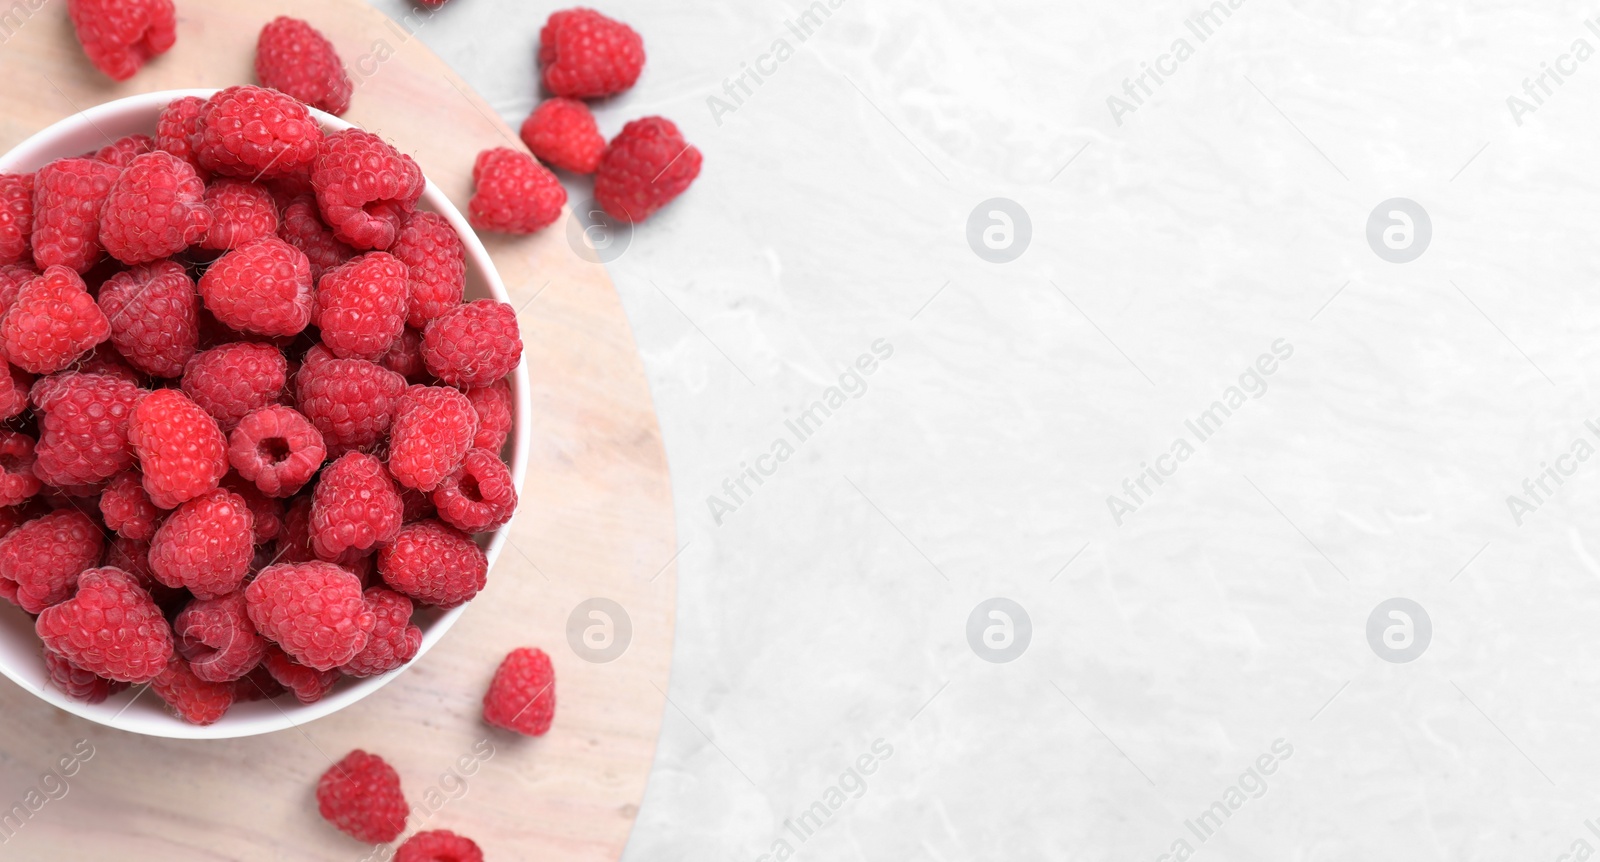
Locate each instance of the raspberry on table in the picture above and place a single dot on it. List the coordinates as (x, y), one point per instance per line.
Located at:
(643, 169)
(110, 627)
(433, 428)
(263, 287)
(473, 344)
(563, 134)
(360, 795)
(493, 404)
(351, 401)
(438, 845)
(181, 451)
(16, 218)
(53, 321)
(365, 188)
(585, 55)
(17, 481)
(394, 640)
(302, 228)
(435, 263)
(83, 427)
(514, 193)
(522, 696)
(480, 495)
(253, 132)
(354, 506)
(177, 127)
(68, 195)
(294, 57)
(314, 611)
(240, 212)
(361, 306)
(206, 545)
(127, 510)
(77, 683)
(189, 697)
(217, 639)
(234, 379)
(434, 564)
(308, 685)
(120, 36)
(404, 356)
(154, 314)
(277, 448)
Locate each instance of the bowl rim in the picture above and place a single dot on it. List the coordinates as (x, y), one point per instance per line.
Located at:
(160, 723)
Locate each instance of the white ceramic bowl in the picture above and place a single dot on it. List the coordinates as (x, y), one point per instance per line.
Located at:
(135, 709)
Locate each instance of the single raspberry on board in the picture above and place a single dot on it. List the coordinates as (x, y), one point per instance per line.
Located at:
(189, 697)
(53, 321)
(206, 545)
(480, 495)
(263, 286)
(354, 506)
(314, 610)
(308, 685)
(493, 404)
(360, 795)
(435, 263)
(643, 169)
(240, 212)
(473, 344)
(127, 509)
(83, 427)
(292, 56)
(68, 195)
(217, 638)
(433, 563)
(181, 451)
(253, 132)
(110, 627)
(361, 306)
(156, 208)
(365, 188)
(16, 218)
(234, 379)
(563, 134)
(351, 401)
(177, 127)
(302, 228)
(434, 426)
(394, 640)
(586, 55)
(154, 315)
(119, 36)
(515, 194)
(522, 696)
(277, 448)
(438, 845)
(17, 481)
(77, 683)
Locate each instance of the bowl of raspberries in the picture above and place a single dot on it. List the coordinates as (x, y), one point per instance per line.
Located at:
(265, 414)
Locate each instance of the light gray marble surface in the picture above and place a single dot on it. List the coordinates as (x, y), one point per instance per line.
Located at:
(1227, 614)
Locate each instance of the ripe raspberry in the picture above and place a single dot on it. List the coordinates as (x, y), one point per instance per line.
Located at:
(13, 278)
(522, 696)
(240, 212)
(189, 697)
(206, 545)
(643, 169)
(313, 610)
(126, 508)
(355, 505)
(277, 448)
(181, 451)
(480, 495)
(351, 401)
(124, 150)
(177, 128)
(433, 428)
(133, 557)
(563, 134)
(473, 344)
(435, 263)
(83, 427)
(17, 482)
(16, 218)
(438, 845)
(258, 684)
(302, 228)
(52, 322)
(253, 132)
(292, 56)
(434, 564)
(586, 55)
(68, 195)
(77, 683)
(234, 379)
(404, 356)
(394, 640)
(515, 194)
(365, 188)
(156, 208)
(154, 315)
(307, 684)
(360, 795)
(119, 36)
(14, 384)
(493, 405)
(263, 286)
(361, 306)
(216, 638)
(266, 513)
(110, 628)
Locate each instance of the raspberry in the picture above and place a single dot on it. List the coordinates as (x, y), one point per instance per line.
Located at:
(438, 845)
(181, 451)
(258, 684)
(14, 383)
(473, 344)
(177, 128)
(40, 561)
(586, 55)
(127, 509)
(355, 505)
(83, 427)
(493, 404)
(351, 401)
(155, 208)
(307, 684)
(563, 134)
(254, 132)
(434, 564)
(522, 696)
(154, 315)
(365, 188)
(480, 495)
(124, 150)
(433, 428)
(435, 263)
(68, 195)
(294, 57)
(266, 513)
(234, 379)
(263, 286)
(643, 169)
(360, 795)
(206, 545)
(240, 212)
(17, 482)
(189, 697)
(515, 194)
(277, 448)
(404, 356)
(361, 306)
(216, 638)
(16, 218)
(13, 278)
(302, 228)
(313, 610)
(119, 36)
(133, 557)
(110, 628)
(394, 640)
(78, 683)
(52, 322)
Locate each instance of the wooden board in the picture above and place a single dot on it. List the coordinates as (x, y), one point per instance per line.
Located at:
(596, 521)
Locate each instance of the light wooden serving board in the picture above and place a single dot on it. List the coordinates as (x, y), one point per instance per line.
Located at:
(595, 521)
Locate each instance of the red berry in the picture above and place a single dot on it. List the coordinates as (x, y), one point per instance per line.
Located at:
(76, 682)
(254, 132)
(68, 195)
(365, 188)
(563, 133)
(404, 356)
(515, 194)
(360, 795)
(522, 696)
(264, 287)
(217, 639)
(438, 845)
(314, 610)
(156, 208)
(394, 640)
(189, 697)
(643, 169)
(181, 451)
(177, 128)
(119, 36)
(480, 495)
(351, 401)
(586, 55)
(354, 506)
(277, 448)
(308, 685)
(493, 405)
(240, 212)
(302, 228)
(83, 427)
(110, 628)
(266, 513)
(17, 481)
(435, 263)
(433, 563)
(292, 56)
(16, 218)
(234, 379)
(473, 344)
(13, 278)
(126, 509)
(361, 306)
(40, 560)
(52, 322)
(154, 313)
(434, 427)
(124, 150)
(258, 684)
(206, 545)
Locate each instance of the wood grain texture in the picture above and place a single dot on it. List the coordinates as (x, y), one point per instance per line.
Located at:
(596, 520)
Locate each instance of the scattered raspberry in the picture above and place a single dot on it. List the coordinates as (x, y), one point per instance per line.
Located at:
(259, 684)
(234, 379)
(434, 427)
(563, 134)
(313, 610)
(127, 509)
(124, 150)
(240, 212)
(438, 845)
(83, 427)
(76, 682)
(292, 56)
(264, 287)
(40, 561)
(435, 263)
(394, 640)
(16, 218)
(52, 322)
(266, 513)
(68, 195)
(189, 697)
(522, 696)
(307, 684)
(302, 228)
(355, 505)
(154, 315)
(351, 401)
(473, 344)
(361, 306)
(515, 194)
(586, 55)
(277, 448)
(181, 451)
(404, 356)
(177, 128)
(365, 188)
(17, 482)
(110, 628)
(254, 132)
(206, 545)
(643, 169)
(119, 36)
(155, 208)
(360, 795)
(433, 563)
(216, 638)
(480, 495)
(493, 404)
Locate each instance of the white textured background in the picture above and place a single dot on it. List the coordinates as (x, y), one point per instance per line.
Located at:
(1173, 650)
